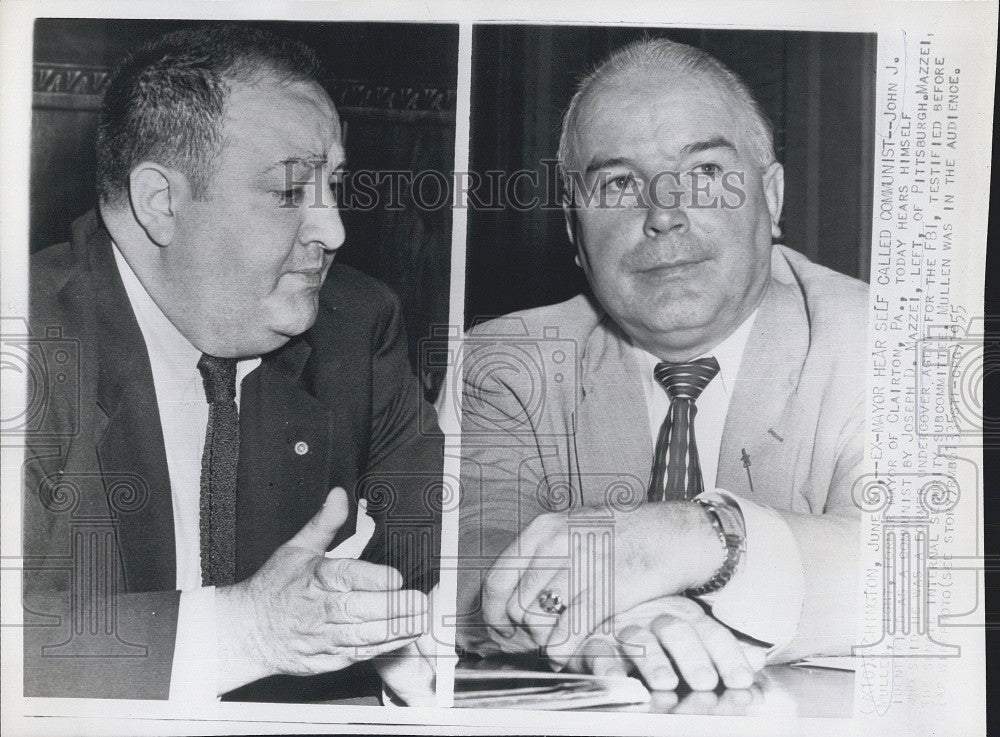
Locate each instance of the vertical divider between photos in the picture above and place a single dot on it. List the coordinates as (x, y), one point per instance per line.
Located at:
(449, 404)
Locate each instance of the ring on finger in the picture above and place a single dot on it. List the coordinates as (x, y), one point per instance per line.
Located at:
(551, 602)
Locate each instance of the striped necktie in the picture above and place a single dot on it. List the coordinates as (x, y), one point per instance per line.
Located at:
(218, 472)
(676, 471)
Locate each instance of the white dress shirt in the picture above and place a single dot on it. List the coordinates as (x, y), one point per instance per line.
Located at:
(183, 408)
(764, 597)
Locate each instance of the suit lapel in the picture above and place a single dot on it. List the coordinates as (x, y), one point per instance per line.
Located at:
(130, 451)
(288, 440)
(611, 405)
(763, 404)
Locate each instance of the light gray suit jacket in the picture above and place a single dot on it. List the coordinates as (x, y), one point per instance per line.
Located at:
(554, 417)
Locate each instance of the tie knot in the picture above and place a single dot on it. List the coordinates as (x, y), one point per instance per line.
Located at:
(219, 377)
(686, 380)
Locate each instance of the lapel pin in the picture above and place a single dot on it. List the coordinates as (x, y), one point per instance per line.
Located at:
(745, 457)
(301, 448)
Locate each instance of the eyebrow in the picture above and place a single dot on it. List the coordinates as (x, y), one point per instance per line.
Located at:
(599, 164)
(712, 143)
(687, 150)
(313, 162)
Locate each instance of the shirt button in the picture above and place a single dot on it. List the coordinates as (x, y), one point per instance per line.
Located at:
(301, 448)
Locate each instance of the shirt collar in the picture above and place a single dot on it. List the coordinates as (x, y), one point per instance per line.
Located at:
(729, 354)
(166, 344)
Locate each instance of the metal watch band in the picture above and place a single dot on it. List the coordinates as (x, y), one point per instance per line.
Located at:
(728, 525)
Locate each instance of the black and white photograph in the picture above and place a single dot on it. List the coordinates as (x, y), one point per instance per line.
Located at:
(496, 367)
(228, 489)
(663, 423)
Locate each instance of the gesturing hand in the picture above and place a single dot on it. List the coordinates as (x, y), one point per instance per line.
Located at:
(410, 671)
(656, 550)
(302, 613)
(667, 640)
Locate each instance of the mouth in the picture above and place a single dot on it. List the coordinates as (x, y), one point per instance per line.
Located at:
(311, 277)
(671, 269)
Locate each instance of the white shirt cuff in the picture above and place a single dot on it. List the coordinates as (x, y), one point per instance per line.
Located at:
(193, 676)
(764, 597)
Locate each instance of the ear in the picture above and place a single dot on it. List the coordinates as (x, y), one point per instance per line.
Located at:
(774, 192)
(155, 192)
(569, 213)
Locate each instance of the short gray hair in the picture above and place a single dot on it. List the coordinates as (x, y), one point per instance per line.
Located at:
(660, 53)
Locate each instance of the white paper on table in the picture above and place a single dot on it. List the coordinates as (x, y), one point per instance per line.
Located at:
(832, 662)
(364, 528)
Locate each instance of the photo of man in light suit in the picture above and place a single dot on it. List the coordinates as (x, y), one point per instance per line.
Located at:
(238, 397)
(700, 410)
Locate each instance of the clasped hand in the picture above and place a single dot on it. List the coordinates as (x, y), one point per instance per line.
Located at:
(623, 589)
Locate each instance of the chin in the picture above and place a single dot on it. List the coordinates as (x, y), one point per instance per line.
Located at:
(295, 323)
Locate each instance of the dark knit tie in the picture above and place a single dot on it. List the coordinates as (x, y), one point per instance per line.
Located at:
(218, 472)
(676, 471)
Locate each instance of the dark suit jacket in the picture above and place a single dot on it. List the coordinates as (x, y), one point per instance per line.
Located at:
(101, 610)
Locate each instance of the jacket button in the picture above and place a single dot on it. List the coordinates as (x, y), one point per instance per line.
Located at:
(301, 448)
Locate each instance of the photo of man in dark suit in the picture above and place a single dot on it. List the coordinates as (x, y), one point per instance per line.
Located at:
(658, 472)
(238, 395)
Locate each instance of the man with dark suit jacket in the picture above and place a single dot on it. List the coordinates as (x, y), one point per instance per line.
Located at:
(229, 384)
(692, 427)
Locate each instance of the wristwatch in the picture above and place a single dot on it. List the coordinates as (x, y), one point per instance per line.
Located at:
(728, 524)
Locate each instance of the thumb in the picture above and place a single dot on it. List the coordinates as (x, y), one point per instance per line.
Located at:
(317, 534)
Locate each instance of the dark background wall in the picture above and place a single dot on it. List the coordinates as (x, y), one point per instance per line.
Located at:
(817, 88)
(393, 85)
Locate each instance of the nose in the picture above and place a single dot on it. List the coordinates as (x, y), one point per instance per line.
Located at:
(662, 218)
(322, 225)
(665, 210)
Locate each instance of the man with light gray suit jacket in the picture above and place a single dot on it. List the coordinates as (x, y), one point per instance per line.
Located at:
(661, 471)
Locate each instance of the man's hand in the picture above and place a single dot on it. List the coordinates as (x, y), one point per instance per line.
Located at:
(302, 613)
(668, 640)
(656, 550)
(409, 672)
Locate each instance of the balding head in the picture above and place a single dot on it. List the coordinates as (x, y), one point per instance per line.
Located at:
(648, 61)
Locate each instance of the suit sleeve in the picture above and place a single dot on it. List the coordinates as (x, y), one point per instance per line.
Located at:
(797, 587)
(501, 472)
(829, 544)
(81, 638)
(403, 480)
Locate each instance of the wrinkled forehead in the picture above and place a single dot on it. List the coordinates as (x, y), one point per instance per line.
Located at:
(662, 105)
